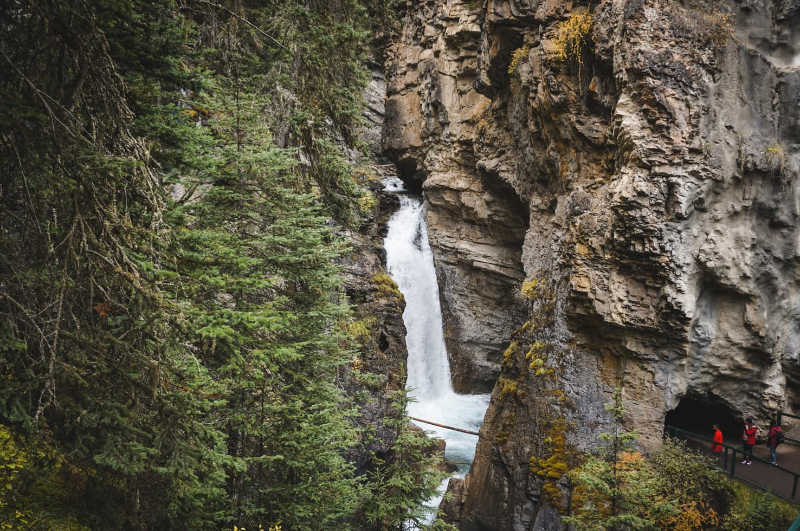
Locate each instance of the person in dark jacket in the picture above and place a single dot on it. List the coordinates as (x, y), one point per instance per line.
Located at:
(772, 440)
(716, 446)
(748, 440)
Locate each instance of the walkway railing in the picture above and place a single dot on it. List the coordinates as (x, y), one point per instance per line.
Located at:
(781, 414)
(444, 426)
(728, 461)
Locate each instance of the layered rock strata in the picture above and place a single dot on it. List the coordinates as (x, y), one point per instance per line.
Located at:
(646, 186)
(476, 221)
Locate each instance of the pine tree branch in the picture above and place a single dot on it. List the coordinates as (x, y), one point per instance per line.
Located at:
(225, 9)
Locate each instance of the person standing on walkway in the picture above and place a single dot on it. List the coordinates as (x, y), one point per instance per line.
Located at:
(716, 446)
(773, 439)
(748, 440)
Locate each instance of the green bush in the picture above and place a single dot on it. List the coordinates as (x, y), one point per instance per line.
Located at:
(751, 510)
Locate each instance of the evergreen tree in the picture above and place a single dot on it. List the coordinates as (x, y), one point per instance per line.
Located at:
(170, 310)
(87, 346)
(397, 483)
(256, 259)
(617, 490)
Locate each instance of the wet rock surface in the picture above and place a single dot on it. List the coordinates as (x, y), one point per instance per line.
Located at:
(648, 190)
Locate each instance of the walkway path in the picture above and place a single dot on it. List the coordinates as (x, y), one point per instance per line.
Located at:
(777, 480)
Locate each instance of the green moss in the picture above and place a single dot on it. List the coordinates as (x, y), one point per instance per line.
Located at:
(501, 437)
(553, 467)
(361, 331)
(537, 355)
(387, 287)
(535, 349)
(508, 355)
(509, 387)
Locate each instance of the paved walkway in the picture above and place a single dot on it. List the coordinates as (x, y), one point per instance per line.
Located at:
(777, 480)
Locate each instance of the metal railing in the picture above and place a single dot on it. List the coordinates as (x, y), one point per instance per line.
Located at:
(728, 461)
(781, 414)
(445, 426)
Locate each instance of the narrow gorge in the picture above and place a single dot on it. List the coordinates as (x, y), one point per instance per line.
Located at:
(625, 216)
(395, 265)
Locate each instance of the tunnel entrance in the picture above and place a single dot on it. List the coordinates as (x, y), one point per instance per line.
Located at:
(697, 413)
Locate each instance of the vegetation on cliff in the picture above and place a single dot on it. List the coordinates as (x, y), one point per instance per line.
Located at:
(672, 488)
(168, 300)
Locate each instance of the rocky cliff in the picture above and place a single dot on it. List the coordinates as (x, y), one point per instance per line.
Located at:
(378, 370)
(636, 161)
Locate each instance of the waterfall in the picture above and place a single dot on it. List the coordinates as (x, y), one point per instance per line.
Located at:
(410, 263)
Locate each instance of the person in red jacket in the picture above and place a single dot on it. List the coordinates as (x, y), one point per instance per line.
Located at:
(748, 440)
(716, 446)
(772, 440)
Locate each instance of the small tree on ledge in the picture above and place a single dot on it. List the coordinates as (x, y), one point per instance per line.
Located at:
(618, 490)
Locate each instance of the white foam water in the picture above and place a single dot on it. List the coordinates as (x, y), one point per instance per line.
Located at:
(410, 263)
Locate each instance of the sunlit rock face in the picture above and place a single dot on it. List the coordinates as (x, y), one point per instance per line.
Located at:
(652, 194)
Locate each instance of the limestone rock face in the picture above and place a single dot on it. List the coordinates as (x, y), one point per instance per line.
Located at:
(648, 188)
(476, 221)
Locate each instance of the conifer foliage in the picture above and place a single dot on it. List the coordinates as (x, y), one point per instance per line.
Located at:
(170, 170)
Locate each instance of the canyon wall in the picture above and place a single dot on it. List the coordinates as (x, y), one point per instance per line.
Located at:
(378, 370)
(645, 186)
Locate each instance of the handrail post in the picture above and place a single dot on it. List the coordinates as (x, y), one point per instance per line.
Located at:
(733, 463)
(780, 417)
(794, 487)
(725, 462)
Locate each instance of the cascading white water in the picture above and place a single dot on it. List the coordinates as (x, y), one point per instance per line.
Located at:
(410, 263)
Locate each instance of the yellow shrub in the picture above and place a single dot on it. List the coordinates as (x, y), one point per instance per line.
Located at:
(530, 288)
(775, 157)
(574, 41)
(518, 55)
(721, 28)
(573, 37)
(44, 504)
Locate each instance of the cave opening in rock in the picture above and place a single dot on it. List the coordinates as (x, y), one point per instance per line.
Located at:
(696, 413)
(411, 176)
